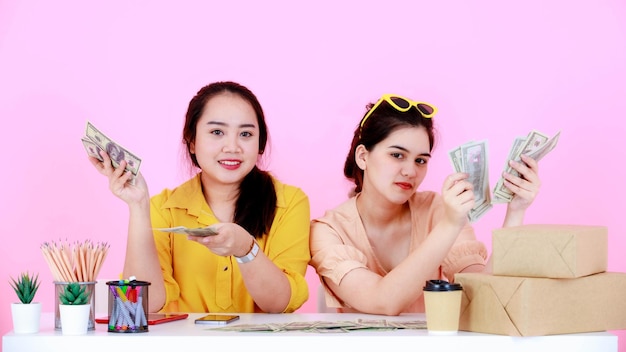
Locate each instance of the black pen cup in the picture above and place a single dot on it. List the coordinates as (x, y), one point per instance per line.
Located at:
(128, 306)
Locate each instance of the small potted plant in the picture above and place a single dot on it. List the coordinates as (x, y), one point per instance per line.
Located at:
(74, 309)
(26, 314)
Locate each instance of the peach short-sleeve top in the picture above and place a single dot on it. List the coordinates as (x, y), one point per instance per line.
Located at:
(339, 245)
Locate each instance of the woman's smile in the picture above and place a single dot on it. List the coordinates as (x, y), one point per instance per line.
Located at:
(230, 164)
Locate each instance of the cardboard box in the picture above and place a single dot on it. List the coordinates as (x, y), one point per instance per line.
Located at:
(518, 306)
(550, 251)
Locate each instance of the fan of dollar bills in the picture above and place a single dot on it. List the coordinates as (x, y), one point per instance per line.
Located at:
(473, 158)
(199, 232)
(94, 141)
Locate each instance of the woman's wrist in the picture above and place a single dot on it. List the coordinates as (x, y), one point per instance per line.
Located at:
(139, 205)
(250, 255)
(514, 218)
(451, 226)
(245, 249)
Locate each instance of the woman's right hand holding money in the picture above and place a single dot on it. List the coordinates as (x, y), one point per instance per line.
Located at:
(132, 190)
(458, 198)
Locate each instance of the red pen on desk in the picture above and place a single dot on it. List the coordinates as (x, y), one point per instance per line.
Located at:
(131, 294)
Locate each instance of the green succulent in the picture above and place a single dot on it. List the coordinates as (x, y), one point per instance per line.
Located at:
(74, 294)
(25, 287)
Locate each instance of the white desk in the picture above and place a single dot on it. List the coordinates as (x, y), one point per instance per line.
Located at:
(184, 335)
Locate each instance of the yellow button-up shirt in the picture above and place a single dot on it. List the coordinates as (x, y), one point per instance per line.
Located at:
(197, 280)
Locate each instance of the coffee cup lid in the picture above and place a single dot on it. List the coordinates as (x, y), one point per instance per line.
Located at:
(442, 285)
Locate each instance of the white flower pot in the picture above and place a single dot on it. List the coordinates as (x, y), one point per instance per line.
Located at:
(26, 317)
(74, 318)
(90, 289)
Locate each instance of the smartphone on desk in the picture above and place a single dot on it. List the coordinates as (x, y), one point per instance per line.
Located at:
(217, 319)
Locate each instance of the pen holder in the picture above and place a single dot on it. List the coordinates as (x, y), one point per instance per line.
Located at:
(128, 306)
(59, 287)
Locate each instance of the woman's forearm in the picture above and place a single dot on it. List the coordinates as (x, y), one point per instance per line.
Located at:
(141, 255)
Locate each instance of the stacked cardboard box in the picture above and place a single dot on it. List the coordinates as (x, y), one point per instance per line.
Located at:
(547, 279)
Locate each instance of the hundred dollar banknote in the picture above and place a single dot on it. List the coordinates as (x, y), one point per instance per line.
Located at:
(536, 145)
(473, 158)
(94, 141)
(92, 148)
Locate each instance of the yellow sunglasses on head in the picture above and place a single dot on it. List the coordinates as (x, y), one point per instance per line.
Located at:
(402, 104)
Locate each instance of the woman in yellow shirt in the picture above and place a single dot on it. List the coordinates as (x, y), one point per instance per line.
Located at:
(257, 260)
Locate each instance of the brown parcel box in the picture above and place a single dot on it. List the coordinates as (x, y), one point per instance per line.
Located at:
(518, 306)
(555, 251)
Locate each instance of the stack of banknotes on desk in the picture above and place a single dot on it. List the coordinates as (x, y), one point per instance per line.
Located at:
(328, 326)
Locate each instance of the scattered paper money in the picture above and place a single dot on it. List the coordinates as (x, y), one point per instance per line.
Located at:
(199, 231)
(251, 328)
(326, 326)
(94, 141)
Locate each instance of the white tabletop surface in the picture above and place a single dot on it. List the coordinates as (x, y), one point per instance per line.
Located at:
(185, 335)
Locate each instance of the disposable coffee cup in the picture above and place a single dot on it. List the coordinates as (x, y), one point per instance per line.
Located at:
(442, 300)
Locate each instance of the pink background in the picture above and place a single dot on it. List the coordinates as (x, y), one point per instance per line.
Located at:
(495, 70)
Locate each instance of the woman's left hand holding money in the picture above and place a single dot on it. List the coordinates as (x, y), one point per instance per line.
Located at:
(525, 188)
(231, 239)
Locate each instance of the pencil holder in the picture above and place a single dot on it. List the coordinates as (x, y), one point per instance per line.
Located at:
(128, 306)
(59, 287)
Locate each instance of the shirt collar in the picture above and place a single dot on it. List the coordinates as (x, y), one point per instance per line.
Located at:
(189, 196)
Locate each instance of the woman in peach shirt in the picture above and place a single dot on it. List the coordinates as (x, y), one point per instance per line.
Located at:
(375, 251)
